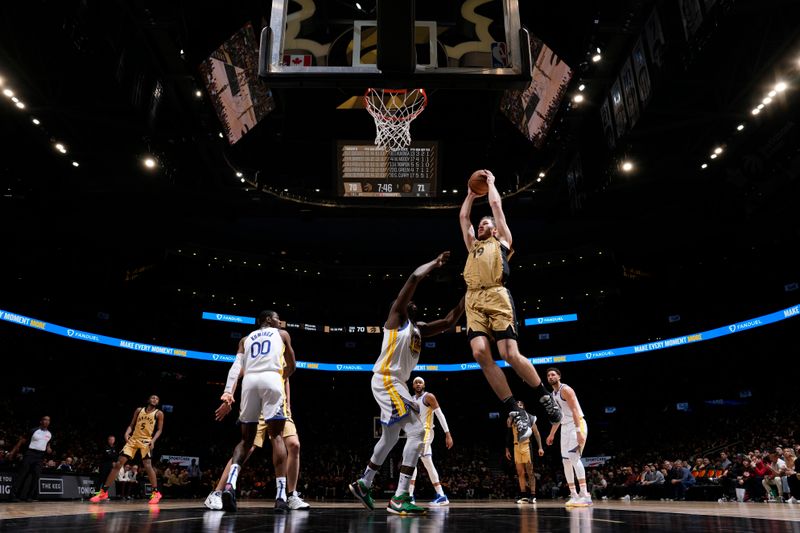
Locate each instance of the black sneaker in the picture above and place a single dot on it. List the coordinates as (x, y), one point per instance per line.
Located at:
(281, 506)
(553, 411)
(228, 500)
(524, 431)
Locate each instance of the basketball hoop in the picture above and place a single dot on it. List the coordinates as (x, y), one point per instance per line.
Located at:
(393, 111)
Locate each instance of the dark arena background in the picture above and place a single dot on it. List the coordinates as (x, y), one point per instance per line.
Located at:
(169, 170)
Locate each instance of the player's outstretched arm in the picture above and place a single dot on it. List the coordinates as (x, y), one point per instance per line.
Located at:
(467, 230)
(496, 203)
(399, 312)
(428, 329)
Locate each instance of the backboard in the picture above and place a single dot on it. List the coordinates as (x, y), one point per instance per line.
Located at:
(470, 44)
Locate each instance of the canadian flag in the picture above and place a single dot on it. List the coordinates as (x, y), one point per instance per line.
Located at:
(297, 60)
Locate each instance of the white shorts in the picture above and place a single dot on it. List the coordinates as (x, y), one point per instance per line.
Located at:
(569, 438)
(394, 399)
(427, 441)
(262, 395)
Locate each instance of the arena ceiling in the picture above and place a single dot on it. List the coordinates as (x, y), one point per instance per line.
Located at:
(116, 81)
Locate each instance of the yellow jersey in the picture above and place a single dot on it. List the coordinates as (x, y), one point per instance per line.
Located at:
(145, 425)
(487, 264)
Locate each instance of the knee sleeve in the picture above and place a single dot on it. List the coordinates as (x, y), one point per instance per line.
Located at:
(568, 472)
(575, 459)
(427, 460)
(389, 437)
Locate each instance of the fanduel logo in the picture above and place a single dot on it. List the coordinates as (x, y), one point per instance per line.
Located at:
(338, 367)
(70, 332)
(215, 357)
(732, 328)
(540, 320)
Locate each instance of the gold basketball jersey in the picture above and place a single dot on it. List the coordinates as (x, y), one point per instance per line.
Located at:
(487, 264)
(145, 425)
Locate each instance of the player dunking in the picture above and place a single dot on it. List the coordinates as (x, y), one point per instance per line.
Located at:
(402, 341)
(140, 437)
(573, 438)
(290, 439)
(265, 358)
(429, 406)
(490, 308)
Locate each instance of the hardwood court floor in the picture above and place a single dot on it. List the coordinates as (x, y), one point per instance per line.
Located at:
(461, 516)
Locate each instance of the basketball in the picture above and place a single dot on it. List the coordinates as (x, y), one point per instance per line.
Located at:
(477, 183)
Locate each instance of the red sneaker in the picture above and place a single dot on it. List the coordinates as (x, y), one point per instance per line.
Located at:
(155, 497)
(100, 496)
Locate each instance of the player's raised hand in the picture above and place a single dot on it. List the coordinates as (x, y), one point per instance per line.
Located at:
(489, 177)
(443, 258)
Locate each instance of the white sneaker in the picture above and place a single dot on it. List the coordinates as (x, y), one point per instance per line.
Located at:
(532, 500)
(626, 498)
(296, 502)
(214, 501)
(573, 501)
(792, 500)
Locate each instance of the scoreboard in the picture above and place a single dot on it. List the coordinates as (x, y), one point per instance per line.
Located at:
(365, 170)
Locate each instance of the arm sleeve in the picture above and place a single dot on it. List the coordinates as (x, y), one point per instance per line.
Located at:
(233, 373)
(442, 420)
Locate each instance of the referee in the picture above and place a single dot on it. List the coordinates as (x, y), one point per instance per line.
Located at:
(38, 444)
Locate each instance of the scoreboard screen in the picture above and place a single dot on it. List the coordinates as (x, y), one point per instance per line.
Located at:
(364, 170)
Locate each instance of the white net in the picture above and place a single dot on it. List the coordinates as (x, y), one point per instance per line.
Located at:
(393, 111)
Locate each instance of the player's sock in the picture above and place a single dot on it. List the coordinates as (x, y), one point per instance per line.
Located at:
(280, 483)
(439, 490)
(511, 404)
(104, 487)
(233, 475)
(402, 484)
(368, 476)
(540, 391)
(411, 488)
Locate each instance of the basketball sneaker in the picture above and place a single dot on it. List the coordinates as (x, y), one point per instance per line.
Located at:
(402, 505)
(362, 492)
(522, 422)
(584, 500)
(228, 499)
(573, 501)
(296, 503)
(100, 496)
(281, 506)
(214, 501)
(155, 497)
(440, 500)
(552, 409)
(523, 499)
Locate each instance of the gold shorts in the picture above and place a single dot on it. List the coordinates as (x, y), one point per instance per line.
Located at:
(136, 445)
(490, 312)
(289, 430)
(522, 453)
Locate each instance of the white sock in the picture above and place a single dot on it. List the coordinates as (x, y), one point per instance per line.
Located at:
(411, 488)
(402, 484)
(233, 475)
(294, 493)
(439, 490)
(280, 483)
(368, 476)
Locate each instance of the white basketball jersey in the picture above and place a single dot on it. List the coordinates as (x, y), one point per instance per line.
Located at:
(399, 352)
(425, 413)
(263, 351)
(566, 418)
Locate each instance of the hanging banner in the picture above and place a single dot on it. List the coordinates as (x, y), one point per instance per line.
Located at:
(629, 92)
(620, 117)
(608, 126)
(641, 73)
(655, 39)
